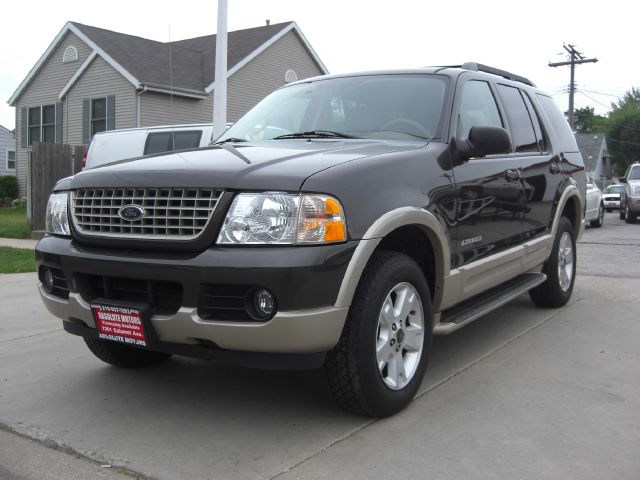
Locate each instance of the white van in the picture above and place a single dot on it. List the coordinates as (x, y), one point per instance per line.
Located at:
(114, 145)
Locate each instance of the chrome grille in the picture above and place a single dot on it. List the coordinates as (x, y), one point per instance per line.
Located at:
(169, 213)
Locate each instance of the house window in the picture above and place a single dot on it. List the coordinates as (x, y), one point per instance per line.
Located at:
(42, 124)
(98, 115)
(11, 159)
(49, 124)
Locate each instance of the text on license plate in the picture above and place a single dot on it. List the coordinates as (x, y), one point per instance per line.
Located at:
(119, 324)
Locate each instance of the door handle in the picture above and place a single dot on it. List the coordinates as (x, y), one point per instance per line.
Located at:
(555, 168)
(512, 175)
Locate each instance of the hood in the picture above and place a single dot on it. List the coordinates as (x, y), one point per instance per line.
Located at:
(274, 165)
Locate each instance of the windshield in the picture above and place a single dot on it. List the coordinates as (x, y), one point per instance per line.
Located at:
(634, 174)
(614, 189)
(372, 106)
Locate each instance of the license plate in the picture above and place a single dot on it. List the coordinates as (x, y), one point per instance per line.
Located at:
(120, 324)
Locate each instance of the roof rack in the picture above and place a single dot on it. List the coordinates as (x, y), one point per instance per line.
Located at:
(478, 67)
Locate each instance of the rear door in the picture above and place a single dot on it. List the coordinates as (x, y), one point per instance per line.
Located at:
(541, 172)
(489, 190)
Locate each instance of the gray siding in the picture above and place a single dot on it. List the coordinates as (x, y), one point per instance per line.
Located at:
(158, 109)
(43, 90)
(99, 80)
(7, 142)
(265, 73)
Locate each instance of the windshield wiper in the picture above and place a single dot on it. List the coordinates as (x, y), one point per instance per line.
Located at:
(230, 139)
(314, 134)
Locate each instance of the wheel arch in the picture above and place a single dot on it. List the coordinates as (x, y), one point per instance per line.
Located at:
(413, 231)
(570, 205)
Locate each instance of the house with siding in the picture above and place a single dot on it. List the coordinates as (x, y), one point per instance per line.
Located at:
(91, 80)
(7, 152)
(597, 162)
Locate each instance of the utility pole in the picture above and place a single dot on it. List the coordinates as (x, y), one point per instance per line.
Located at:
(220, 82)
(575, 58)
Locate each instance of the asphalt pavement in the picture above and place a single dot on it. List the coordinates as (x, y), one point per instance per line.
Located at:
(522, 393)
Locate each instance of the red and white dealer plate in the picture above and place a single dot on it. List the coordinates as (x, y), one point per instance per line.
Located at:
(120, 324)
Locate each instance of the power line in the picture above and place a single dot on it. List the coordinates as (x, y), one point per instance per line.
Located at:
(602, 93)
(593, 99)
(608, 124)
(622, 141)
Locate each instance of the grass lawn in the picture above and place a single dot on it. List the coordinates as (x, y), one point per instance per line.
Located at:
(13, 223)
(17, 260)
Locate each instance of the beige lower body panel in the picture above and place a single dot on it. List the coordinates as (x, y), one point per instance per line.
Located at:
(297, 331)
(475, 278)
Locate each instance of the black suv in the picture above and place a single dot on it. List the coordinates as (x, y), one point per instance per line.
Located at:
(341, 222)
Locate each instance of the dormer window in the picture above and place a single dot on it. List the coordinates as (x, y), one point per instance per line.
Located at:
(70, 55)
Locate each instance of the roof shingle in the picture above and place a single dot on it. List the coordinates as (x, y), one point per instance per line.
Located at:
(591, 145)
(192, 60)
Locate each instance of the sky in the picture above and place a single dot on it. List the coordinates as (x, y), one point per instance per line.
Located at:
(357, 35)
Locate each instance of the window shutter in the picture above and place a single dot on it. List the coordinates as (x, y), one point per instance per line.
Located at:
(111, 112)
(59, 122)
(86, 121)
(24, 130)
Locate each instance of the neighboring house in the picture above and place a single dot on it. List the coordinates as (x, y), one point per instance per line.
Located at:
(90, 80)
(597, 163)
(7, 152)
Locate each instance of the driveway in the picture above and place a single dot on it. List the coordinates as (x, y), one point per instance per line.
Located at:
(523, 393)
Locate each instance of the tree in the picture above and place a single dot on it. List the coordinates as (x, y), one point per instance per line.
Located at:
(586, 121)
(624, 131)
(629, 99)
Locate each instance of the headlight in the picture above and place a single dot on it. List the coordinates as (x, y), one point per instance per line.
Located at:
(282, 218)
(57, 217)
(636, 190)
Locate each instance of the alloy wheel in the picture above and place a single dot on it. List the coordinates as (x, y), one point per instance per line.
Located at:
(565, 261)
(400, 333)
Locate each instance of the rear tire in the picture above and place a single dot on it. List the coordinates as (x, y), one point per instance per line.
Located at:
(378, 364)
(124, 356)
(560, 269)
(598, 222)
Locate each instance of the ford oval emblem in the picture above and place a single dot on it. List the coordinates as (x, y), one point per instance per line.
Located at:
(131, 213)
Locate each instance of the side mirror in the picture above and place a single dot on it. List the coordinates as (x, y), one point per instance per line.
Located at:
(622, 180)
(482, 141)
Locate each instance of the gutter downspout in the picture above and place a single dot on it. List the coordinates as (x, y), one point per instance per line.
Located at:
(140, 92)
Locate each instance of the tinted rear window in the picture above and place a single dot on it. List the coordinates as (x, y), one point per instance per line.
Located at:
(567, 141)
(159, 142)
(184, 140)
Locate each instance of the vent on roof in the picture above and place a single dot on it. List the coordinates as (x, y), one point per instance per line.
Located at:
(70, 55)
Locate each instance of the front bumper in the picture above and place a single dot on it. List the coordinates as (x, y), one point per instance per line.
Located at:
(304, 280)
(611, 202)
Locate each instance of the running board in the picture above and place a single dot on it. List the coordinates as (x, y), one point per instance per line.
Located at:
(472, 309)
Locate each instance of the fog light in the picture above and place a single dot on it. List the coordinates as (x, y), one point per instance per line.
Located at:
(47, 279)
(260, 304)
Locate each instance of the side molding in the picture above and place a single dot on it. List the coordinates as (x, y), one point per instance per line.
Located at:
(386, 224)
(476, 277)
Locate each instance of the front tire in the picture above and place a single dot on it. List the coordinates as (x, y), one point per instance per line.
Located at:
(630, 217)
(124, 356)
(378, 364)
(560, 269)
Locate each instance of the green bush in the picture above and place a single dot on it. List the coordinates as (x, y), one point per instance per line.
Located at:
(8, 187)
